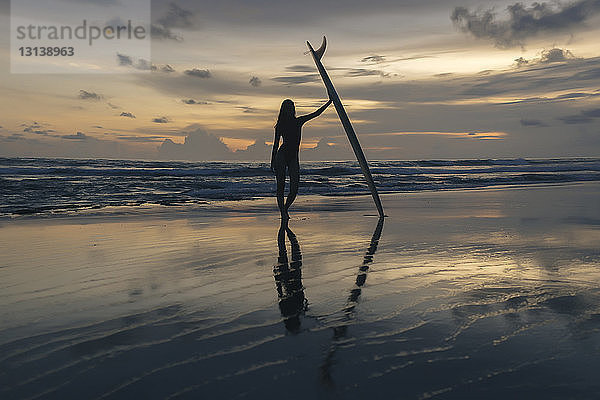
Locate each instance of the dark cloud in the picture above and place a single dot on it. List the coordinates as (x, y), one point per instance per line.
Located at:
(127, 114)
(144, 65)
(297, 80)
(192, 101)
(590, 74)
(356, 72)
(85, 95)
(531, 122)
(124, 59)
(548, 77)
(199, 73)
(141, 64)
(524, 22)
(328, 149)
(177, 17)
(575, 119)
(300, 68)
(248, 110)
(199, 145)
(37, 129)
(255, 81)
(13, 137)
(275, 13)
(161, 32)
(259, 150)
(553, 55)
(141, 139)
(556, 55)
(584, 117)
(595, 113)
(167, 68)
(77, 136)
(558, 98)
(97, 2)
(521, 61)
(160, 120)
(374, 59)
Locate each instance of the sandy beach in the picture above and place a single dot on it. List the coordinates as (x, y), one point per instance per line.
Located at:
(487, 293)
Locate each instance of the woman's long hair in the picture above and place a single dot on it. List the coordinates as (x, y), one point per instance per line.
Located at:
(287, 114)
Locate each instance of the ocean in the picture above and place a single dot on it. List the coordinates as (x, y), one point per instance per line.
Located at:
(146, 284)
(43, 186)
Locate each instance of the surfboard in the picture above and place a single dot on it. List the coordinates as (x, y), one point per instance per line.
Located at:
(358, 151)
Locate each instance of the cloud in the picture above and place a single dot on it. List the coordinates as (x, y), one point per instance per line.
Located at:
(85, 95)
(374, 59)
(356, 72)
(78, 145)
(144, 65)
(141, 64)
(584, 117)
(141, 139)
(124, 59)
(127, 114)
(192, 101)
(546, 77)
(259, 150)
(167, 68)
(595, 113)
(37, 129)
(520, 62)
(556, 55)
(575, 119)
(13, 137)
(255, 81)
(161, 32)
(199, 145)
(199, 73)
(553, 99)
(77, 136)
(161, 120)
(531, 122)
(328, 149)
(177, 17)
(524, 22)
(297, 80)
(248, 110)
(300, 68)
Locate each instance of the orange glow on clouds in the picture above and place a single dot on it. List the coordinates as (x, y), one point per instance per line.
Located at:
(462, 135)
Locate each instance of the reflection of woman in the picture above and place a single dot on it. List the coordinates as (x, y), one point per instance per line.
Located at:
(288, 280)
(289, 127)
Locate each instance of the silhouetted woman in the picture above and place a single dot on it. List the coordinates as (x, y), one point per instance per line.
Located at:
(289, 127)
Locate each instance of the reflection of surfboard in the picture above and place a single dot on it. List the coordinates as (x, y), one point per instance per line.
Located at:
(360, 156)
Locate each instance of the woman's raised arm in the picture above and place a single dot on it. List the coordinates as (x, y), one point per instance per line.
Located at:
(308, 117)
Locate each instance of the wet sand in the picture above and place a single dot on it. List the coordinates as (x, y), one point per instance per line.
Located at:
(491, 293)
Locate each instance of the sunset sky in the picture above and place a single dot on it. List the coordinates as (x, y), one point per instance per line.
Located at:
(420, 79)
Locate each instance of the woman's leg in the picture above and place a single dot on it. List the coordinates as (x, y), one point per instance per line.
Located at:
(280, 175)
(294, 171)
